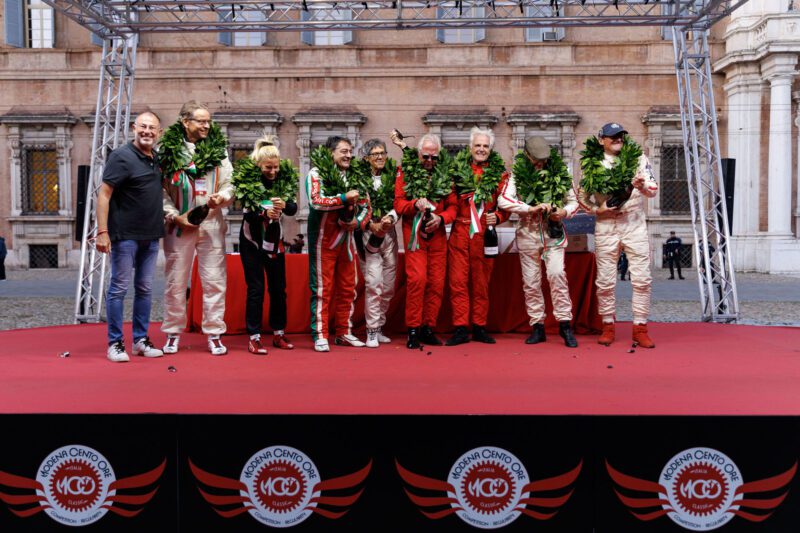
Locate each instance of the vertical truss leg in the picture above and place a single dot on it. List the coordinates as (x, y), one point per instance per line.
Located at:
(716, 276)
(111, 119)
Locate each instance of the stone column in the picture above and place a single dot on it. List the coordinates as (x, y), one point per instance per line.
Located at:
(796, 98)
(744, 87)
(779, 70)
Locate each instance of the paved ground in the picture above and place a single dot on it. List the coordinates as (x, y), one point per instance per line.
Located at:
(36, 298)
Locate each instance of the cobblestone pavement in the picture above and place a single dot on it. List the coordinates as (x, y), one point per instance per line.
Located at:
(37, 298)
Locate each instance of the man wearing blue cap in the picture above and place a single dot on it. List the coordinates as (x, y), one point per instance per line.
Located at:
(622, 227)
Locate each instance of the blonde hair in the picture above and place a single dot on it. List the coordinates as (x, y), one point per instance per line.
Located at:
(265, 148)
(475, 131)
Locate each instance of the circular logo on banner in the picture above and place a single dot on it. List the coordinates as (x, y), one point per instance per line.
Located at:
(488, 483)
(280, 481)
(75, 479)
(701, 488)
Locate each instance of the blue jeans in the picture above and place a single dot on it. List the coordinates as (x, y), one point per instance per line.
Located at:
(125, 257)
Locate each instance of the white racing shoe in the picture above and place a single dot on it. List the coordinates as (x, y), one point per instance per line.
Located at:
(372, 338)
(145, 348)
(215, 345)
(321, 345)
(349, 340)
(172, 344)
(383, 338)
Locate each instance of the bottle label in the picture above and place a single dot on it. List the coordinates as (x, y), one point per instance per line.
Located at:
(200, 187)
(491, 250)
(266, 204)
(268, 246)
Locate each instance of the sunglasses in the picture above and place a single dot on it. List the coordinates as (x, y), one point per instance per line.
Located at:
(426, 157)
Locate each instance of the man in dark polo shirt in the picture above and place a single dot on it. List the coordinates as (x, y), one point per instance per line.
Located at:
(130, 221)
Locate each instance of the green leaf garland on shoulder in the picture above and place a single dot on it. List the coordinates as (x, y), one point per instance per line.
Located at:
(419, 184)
(208, 154)
(465, 179)
(381, 200)
(251, 189)
(548, 185)
(599, 179)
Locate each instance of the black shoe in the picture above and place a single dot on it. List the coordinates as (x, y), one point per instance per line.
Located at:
(459, 337)
(565, 331)
(413, 339)
(671, 277)
(537, 335)
(479, 334)
(427, 336)
(681, 277)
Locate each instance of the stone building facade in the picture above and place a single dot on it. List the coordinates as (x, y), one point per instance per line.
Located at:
(561, 84)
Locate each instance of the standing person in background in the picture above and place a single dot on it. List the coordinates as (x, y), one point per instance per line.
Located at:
(673, 249)
(424, 198)
(617, 199)
(3, 253)
(197, 173)
(379, 264)
(267, 189)
(622, 266)
(130, 221)
(540, 192)
(338, 205)
(479, 175)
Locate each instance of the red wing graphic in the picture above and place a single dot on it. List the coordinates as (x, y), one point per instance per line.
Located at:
(231, 505)
(544, 507)
(21, 504)
(741, 503)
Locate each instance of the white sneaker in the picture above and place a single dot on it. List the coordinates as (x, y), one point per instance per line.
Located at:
(172, 344)
(321, 345)
(372, 338)
(145, 348)
(116, 353)
(383, 338)
(215, 345)
(349, 340)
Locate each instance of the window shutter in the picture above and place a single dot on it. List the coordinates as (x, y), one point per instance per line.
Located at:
(15, 23)
(226, 37)
(307, 37)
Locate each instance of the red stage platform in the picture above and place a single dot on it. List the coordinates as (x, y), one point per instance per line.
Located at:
(697, 369)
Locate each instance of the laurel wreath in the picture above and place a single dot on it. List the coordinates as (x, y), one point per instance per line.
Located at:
(381, 200)
(252, 189)
(548, 185)
(599, 179)
(465, 178)
(208, 152)
(334, 181)
(420, 184)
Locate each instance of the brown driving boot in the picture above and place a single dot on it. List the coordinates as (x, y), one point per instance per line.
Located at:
(641, 337)
(607, 336)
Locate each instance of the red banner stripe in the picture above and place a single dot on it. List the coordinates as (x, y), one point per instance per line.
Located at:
(651, 516)
(633, 483)
(141, 480)
(216, 499)
(441, 514)
(19, 482)
(30, 512)
(422, 482)
(213, 480)
(123, 512)
(338, 501)
(232, 512)
(555, 483)
(327, 514)
(770, 503)
(770, 483)
(132, 499)
(432, 501)
(547, 502)
(344, 482)
(22, 499)
(752, 517)
(639, 503)
(535, 514)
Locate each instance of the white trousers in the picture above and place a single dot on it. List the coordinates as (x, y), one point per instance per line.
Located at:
(628, 232)
(208, 241)
(380, 273)
(531, 252)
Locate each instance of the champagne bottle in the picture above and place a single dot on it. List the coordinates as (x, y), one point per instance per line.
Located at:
(197, 215)
(491, 247)
(346, 215)
(272, 236)
(374, 242)
(427, 217)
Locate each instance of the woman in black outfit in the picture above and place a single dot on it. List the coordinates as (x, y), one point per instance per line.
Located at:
(267, 189)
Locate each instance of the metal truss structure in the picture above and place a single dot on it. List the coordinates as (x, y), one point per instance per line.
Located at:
(715, 273)
(117, 20)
